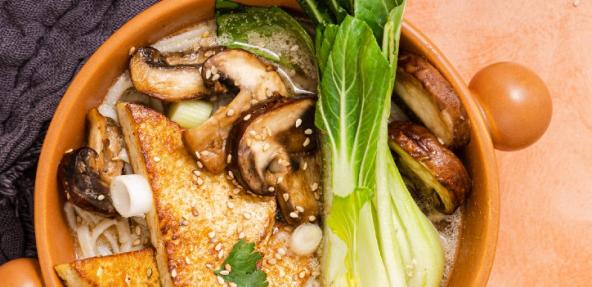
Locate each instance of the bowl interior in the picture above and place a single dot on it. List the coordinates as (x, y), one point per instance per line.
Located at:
(55, 243)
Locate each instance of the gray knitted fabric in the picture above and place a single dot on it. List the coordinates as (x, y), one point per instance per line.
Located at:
(43, 43)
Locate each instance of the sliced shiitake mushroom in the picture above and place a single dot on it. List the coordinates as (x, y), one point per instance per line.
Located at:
(434, 171)
(152, 75)
(255, 82)
(106, 139)
(80, 178)
(432, 99)
(273, 151)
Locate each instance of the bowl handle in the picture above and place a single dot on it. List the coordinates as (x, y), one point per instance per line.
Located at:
(22, 272)
(515, 103)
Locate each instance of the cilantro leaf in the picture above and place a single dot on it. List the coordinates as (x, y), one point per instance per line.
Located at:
(243, 262)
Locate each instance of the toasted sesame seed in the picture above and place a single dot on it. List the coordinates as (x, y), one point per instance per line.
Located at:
(316, 273)
(229, 112)
(230, 205)
(224, 272)
(286, 196)
(302, 274)
(312, 218)
(100, 197)
(236, 191)
(271, 261)
(308, 131)
(215, 77)
(199, 181)
(218, 247)
(294, 214)
(247, 117)
(228, 267)
(194, 211)
(247, 215)
(282, 251)
(208, 74)
(212, 234)
(138, 230)
(271, 189)
(298, 122)
(197, 172)
(253, 102)
(174, 273)
(220, 254)
(279, 179)
(282, 273)
(317, 196)
(306, 142)
(99, 271)
(299, 208)
(128, 279)
(156, 159)
(305, 166)
(278, 256)
(252, 133)
(149, 273)
(265, 146)
(229, 158)
(220, 280)
(199, 164)
(314, 186)
(209, 266)
(241, 235)
(197, 154)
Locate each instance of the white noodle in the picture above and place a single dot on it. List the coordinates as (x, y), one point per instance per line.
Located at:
(104, 251)
(87, 216)
(123, 230)
(101, 227)
(70, 215)
(86, 243)
(112, 239)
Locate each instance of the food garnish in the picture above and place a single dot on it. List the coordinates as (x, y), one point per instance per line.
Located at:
(190, 113)
(240, 267)
(131, 195)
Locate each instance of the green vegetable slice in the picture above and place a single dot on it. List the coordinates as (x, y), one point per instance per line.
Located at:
(243, 262)
(191, 113)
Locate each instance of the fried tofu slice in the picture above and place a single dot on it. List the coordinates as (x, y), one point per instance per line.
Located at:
(284, 268)
(196, 217)
(136, 268)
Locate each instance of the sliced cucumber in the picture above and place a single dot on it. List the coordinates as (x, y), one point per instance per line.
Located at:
(191, 113)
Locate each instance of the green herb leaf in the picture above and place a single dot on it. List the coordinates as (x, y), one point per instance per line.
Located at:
(243, 259)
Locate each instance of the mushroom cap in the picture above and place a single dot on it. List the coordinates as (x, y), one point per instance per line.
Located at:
(78, 174)
(431, 166)
(432, 99)
(151, 74)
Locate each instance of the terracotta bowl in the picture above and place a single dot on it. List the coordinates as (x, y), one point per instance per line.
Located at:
(505, 102)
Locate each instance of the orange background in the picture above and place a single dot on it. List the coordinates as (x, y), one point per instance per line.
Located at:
(545, 235)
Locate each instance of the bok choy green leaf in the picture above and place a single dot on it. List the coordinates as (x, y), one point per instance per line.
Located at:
(375, 235)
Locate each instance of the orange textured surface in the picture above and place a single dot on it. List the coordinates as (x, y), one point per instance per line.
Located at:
(546, 189)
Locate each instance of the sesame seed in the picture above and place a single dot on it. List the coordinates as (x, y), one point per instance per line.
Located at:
(208, 74)
(279, 179)
(205, 34)
(212, 234)
(247, 117)
(224, 272)
(272, 261)
(149, 272)
(236, 191)
(229, 158)
(187, 260)
(228, 267)
(229, 112)
(241, 235)
(156, 159)
(312, 218)
(128, 279)
(230, 205)
(317, 196)
(314, 186)
(308, 132)
(278, 256)
(199, 181)
(194, 211)
(282, 251)
(221, 254)
(302, 274)
(70, 150)
(265, 146)
(305, 166)
(232, 284)
(209, 266)
(136, 242)
(282, 273)
(138, 230)
(174, 273)
(299, 208)
(294, 48)
(197, 172)
(298, 122)
(271, 189)
(218, 247)
(100, 271)
(215, 77)
(294, 214)
(220, 280)
(247, 215)
(197, 154)
(199, 164)
(252, 133)
(306, 142)
(286, 196)
(100, 197)
(253, 102)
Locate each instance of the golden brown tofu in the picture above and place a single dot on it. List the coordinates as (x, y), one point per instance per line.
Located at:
(196, 217)
(136, 268)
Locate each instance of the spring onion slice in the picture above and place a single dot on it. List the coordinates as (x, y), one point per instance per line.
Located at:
(131, 195)
(191, 113)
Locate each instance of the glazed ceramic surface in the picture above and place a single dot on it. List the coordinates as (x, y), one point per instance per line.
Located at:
(54, 241)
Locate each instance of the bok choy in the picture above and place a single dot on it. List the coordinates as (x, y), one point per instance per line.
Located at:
(375, 234)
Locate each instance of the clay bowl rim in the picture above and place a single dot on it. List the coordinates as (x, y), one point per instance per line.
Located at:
(46, 179)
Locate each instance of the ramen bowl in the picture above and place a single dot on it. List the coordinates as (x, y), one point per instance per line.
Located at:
(508, 106)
